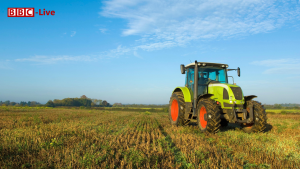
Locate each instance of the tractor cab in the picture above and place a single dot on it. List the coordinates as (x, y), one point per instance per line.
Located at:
(204, 78)
(208, 73)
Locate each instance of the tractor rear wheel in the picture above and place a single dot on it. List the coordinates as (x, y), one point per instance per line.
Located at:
(259, 117)
(210, 109)
(177, 109)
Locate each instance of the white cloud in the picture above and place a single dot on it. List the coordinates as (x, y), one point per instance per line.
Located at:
(103, 30)
(114, 53)
(73, 33)
(55, 59)
(280, 66)
(136, 54)
(42, 59)
(164, 24)
(5, 65)
(156, 46)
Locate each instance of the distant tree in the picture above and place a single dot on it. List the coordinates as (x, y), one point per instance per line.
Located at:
(33, 103)
(57, 102)
(117, 105)
(12, 103)
(22, 103)
(99, 102)
(83, 97)
(49, 104)
(96, 102)
(7, 102)
(85, 102)
(277, 106)
(104, 103)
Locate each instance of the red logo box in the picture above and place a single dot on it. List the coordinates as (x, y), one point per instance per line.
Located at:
(20, 12)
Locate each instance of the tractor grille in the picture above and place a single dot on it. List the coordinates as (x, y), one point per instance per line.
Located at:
(237, 91)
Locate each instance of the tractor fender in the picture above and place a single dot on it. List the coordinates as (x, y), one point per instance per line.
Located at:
(204, 96)
(250, 97)
(186, 93)
(187, 99)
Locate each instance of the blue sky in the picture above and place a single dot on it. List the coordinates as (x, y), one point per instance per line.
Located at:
(129, 51)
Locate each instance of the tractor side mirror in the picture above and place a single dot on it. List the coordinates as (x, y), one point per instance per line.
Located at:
(182, 69)
(239, 71)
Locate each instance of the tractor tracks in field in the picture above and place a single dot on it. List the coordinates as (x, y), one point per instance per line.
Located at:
(178, 154)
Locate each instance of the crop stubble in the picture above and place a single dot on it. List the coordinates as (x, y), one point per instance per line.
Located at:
(64, 138)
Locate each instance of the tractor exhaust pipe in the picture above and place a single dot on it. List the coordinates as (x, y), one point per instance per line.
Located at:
(195, 87)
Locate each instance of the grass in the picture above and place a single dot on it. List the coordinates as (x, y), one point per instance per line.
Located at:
(134, 108)
(283, 111)
(82, 138)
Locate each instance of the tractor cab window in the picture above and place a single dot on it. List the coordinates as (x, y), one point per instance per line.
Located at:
(190, 78)
(206, 75)
(202, 79)
(217, 75)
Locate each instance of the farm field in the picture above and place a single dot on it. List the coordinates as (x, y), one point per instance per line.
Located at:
(69, 138)
(283, 110)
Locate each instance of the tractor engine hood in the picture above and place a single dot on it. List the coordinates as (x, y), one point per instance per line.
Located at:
(227, 93)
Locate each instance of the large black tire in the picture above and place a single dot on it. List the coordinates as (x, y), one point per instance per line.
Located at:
(212, 125)
(177, 109)
(259, 115)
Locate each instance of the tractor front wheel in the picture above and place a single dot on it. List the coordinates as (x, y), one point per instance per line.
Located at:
(208, 116)
(260, 118)
(177, 109)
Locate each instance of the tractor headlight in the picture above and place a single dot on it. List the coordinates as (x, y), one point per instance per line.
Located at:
(230, 98)
(204, 64)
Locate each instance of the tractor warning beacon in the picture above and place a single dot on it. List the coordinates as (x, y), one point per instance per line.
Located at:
(208, 99)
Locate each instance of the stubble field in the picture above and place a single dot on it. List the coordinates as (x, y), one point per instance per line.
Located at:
(68, 138)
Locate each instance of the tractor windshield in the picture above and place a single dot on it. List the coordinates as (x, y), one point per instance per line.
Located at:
(213, 74)
(206, 75)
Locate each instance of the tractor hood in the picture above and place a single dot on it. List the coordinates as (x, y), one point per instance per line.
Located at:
(226, 93)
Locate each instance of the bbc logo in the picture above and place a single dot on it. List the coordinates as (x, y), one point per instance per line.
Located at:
(20, 12)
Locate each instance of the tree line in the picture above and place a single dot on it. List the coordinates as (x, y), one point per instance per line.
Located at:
(77, 102)
(22, 103)
(70, 102)
(282, 106)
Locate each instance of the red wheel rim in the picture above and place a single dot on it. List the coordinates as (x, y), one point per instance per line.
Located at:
(174, 110)
(201, 115)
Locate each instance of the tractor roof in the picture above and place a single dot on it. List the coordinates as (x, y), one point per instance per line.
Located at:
(206, 64)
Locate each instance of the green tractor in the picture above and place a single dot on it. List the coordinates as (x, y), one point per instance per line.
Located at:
(212, 102)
